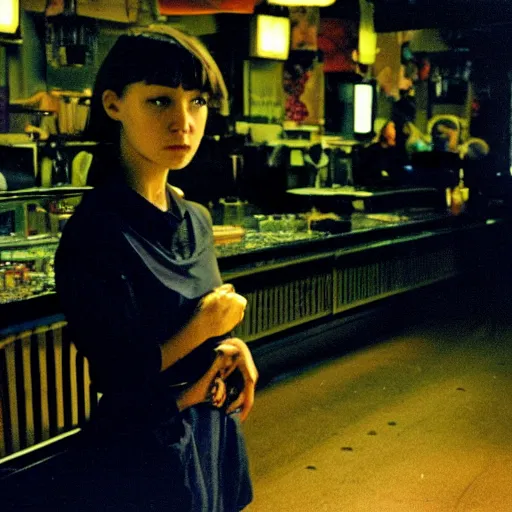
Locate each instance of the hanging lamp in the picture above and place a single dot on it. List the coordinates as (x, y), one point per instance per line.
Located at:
(9, 16)
(302, 3)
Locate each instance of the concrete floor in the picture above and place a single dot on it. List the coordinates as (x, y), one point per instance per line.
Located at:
(421, 421)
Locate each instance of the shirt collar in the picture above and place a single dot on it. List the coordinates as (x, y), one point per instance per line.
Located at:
(139, 212)
(178, 206)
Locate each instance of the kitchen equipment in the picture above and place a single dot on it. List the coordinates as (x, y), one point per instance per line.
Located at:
(73, 112)
(80, 168)
(233, 211)
(32, 120)
(264, 132)
(70, 40)
(237, 162)
(18, 166)
(60, 168)
(23, 219)
(45, 172)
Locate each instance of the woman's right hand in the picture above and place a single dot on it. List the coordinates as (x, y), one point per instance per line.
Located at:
(222, 310)
(211, 388)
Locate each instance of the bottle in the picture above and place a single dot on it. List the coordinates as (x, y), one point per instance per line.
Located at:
(60, 171)
(459, 195)
(437, 80)
(463, 189)
(456, 201)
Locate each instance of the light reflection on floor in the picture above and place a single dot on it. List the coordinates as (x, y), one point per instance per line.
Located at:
(419, 422)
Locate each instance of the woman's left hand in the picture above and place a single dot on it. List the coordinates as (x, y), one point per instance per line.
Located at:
(211, 387)
(245, 364)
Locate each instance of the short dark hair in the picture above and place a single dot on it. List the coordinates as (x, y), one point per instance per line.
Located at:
(159, 55)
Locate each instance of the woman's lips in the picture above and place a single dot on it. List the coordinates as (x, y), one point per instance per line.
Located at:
(178, 147)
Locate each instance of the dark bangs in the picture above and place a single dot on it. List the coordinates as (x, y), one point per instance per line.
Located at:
(157, 62)
(169, 64)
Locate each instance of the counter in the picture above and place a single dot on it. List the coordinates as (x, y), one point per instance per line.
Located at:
(291, 281)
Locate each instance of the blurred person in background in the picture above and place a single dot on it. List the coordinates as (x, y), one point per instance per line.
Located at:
(381, 162)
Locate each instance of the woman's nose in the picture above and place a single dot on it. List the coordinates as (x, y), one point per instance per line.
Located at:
(180, 119)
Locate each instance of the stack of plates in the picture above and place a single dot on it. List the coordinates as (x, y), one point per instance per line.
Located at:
(227, 234)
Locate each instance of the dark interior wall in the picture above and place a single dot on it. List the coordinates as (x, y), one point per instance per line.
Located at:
(492, 122)
(396, 15)
(492, 79)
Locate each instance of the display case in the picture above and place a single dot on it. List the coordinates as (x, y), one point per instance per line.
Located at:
(31, 222)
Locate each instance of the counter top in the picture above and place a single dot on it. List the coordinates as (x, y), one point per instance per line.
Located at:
(261, 251)
(258, 251)
(358, 193)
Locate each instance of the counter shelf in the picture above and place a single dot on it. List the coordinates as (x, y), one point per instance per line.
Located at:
(30, 222)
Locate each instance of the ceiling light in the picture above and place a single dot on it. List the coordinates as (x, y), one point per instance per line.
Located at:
(363, 108)
(10, 17)
(302, 3)
(367, 36)
(270, 37)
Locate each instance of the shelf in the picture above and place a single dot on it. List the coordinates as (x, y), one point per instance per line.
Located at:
(15, 243)
(41, 192)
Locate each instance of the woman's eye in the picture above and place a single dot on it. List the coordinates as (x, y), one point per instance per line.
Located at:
(160, 101)
(200, 101)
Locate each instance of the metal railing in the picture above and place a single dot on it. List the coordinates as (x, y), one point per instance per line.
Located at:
(360, 284)
(44, 387)
(274, 307)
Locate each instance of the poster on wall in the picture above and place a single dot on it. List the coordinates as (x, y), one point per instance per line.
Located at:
(304, 23)
(263, 99)
(303, 85)
(303, 72)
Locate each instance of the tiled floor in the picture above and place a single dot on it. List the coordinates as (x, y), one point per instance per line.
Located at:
(421, 421)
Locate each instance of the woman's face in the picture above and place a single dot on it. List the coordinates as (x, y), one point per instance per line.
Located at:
(162, 127)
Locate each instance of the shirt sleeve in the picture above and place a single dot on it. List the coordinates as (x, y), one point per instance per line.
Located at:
(97, 300)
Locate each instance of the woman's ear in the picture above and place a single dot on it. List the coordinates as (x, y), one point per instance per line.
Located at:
(111, 101)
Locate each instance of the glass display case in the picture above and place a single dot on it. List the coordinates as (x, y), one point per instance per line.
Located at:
(31, 222)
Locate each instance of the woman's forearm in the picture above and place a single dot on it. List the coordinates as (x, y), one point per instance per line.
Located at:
(183, 342)
(219, 312)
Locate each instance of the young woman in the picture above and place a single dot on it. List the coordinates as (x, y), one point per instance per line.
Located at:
(141, 290)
